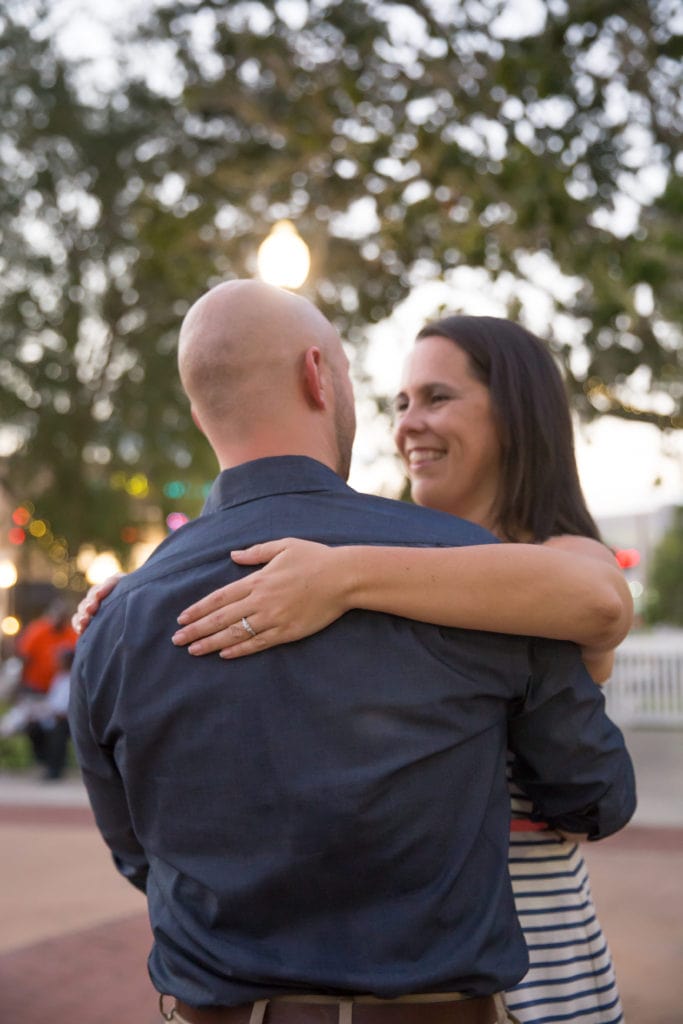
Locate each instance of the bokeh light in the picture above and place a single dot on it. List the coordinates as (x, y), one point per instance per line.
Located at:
(138, 486)
(8, 574)
(283, 258)
(10, 625)
(174, 520)
(21, 516)
(103, 565)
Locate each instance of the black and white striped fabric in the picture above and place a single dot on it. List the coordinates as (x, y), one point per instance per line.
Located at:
(571, 977)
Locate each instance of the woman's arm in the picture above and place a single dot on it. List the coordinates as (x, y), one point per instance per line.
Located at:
(538, 590)
(598, 659)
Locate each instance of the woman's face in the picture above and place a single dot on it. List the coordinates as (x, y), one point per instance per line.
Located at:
(446, 434)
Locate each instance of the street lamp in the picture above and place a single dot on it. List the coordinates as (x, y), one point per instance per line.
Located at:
(283, 258)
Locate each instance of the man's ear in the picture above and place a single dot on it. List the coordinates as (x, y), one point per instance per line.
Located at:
(315, 377)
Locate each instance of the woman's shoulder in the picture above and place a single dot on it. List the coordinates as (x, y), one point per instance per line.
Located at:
(585, 547)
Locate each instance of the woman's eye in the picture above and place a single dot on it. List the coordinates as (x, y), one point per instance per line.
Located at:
(438, 398)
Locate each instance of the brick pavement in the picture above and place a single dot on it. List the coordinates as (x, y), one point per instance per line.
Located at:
(93, 976)
(637, 883)
(83, 958)
(74, 937)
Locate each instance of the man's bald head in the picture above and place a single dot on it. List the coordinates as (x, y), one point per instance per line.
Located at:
(244, 357)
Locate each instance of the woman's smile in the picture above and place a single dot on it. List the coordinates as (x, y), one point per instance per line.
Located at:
(446, 433)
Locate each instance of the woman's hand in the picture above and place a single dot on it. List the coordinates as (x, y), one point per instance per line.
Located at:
(300, 590)
(92, 601)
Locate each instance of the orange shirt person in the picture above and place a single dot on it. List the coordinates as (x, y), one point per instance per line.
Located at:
(40, 645)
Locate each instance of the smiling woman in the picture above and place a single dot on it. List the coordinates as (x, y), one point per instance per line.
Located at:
(446, 433)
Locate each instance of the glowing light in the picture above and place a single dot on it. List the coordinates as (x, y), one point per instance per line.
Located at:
(103, 565)
(283, 258)
(637, 589)
(37, 528)
(10, 625)
(627, 558)
(21, 516)
(8, 574)
(176, 519)
(16, 535)
(84, 558)
(57, 552)
(174, 489)
(138, 486)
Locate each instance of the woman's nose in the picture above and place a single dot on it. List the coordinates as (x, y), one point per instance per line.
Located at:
(408, 421)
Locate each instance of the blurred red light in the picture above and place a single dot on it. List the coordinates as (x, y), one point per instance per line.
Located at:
(21, 516)
(627, 558)
(16, 535)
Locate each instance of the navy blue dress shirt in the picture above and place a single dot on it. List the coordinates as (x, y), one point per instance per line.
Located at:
(329, 815)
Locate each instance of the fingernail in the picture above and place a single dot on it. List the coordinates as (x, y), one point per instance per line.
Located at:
(178, 637)
(195, 648)
(182, 618)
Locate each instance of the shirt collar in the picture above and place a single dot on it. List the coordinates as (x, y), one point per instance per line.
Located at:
(282, 474)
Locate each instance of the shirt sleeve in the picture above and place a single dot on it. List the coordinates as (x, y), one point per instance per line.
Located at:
(103, 781)
(570, 758)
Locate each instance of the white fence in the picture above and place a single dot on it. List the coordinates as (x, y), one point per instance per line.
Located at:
(646, 688)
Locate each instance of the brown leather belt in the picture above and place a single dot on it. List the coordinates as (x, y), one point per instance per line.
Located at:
(310, 1010)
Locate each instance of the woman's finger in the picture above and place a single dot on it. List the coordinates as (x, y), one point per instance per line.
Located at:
(261, 554)
(252, 645)
(257, 554)
(223, 597)
(81, 617)
(233, 635)
(89, 605)
(207, 628)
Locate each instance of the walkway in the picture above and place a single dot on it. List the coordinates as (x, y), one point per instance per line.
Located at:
(74, 936)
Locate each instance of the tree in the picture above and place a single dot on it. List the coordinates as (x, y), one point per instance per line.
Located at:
(90, 399)
(665, 582)
(405, 140)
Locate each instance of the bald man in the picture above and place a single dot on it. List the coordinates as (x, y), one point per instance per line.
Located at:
(321, 829)
(266, 374)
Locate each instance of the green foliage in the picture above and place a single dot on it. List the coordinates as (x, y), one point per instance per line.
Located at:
(405, 141)
(15, 751)
(665, 583)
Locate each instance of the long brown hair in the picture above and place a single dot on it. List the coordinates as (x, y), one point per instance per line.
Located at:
(539, 493)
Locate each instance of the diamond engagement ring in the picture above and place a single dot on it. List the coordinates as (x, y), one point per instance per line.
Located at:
(247, 626)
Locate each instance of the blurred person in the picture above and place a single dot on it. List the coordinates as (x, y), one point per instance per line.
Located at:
(54, 719)
(39, 646)
(484, 428)
(324, 827)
